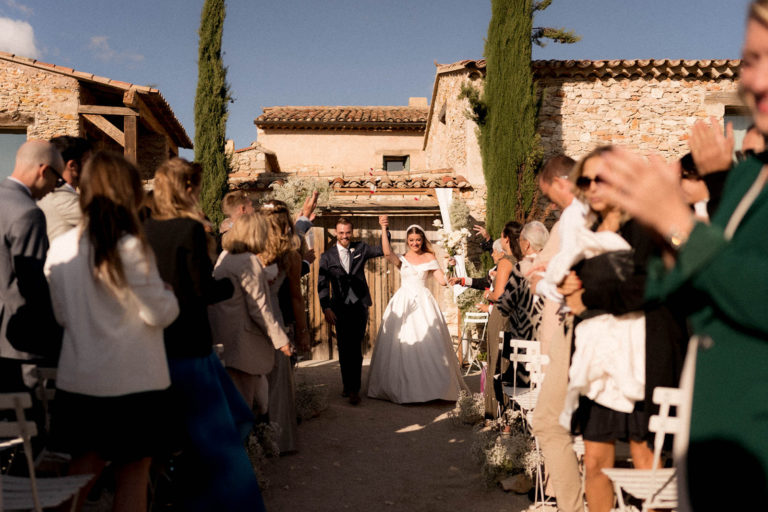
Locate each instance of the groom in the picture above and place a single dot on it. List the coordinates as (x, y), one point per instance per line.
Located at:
(345, 300)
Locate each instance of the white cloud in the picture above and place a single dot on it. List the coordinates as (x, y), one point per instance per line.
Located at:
(18, 37)
(101, 49)
(13, 4)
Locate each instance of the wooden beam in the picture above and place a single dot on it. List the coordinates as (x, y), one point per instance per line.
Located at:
(102, 124)
(105, 110)
(131, 139)
(146, 115)
(130, 97)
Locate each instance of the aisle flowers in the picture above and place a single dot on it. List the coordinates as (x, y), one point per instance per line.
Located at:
(454, 242)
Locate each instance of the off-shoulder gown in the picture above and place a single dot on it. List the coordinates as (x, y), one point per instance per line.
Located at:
(413, 359)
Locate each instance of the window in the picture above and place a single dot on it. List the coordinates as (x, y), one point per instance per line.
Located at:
(11, 140)
(397, 163)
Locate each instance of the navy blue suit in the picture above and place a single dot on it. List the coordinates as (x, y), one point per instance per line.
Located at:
(347, 295)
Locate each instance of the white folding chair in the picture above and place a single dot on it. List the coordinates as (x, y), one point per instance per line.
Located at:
(527, 353)
(657, 487)
(32, 493)
(467, 344)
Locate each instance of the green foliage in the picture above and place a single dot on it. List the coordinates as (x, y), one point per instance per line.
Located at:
(459, 214)
(478, 110)
(558, 35)
(295, 190)
(509, 144)
(211, 101)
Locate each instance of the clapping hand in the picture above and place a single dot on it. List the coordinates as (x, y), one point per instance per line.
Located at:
(711, 150)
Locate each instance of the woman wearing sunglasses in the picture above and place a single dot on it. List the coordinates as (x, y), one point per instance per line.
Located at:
(643, 344)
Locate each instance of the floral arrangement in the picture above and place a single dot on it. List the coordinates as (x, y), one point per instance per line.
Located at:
(469, 409)
(454, 242)
(311, 400)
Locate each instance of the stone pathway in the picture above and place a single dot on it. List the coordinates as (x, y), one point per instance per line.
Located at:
(380, 456)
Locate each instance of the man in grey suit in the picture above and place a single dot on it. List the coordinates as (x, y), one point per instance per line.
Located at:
(26, 313)
(62, 206)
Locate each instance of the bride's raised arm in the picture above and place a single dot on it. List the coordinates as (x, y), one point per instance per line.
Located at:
(386, 247)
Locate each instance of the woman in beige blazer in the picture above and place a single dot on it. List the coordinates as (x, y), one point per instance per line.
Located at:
(245, 323)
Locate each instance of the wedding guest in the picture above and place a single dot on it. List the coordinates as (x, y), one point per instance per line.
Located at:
(284, 278)
(644, 343)
(718, 273)
(112, 400)
(234, 204)
(214, 472)
(246, 323)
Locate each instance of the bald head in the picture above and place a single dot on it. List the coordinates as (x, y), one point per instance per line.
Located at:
(38, 166)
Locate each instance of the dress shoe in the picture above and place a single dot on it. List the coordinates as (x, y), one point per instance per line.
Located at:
(354, 398)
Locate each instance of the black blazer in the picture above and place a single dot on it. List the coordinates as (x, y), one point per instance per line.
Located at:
(181, 250)
(333, 282)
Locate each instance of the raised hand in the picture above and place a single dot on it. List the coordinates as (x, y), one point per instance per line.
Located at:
(308, 208)
(384, 221)
(711, 150)
(481, 231)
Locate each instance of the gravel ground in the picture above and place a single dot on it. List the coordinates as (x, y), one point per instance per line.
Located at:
(380, 456)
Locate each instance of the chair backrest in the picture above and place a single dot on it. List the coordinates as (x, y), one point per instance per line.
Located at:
(662, 424)
(527, 353)
(17, 402)
(475, 318)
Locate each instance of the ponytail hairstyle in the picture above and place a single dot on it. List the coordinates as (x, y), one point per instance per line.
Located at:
(110, 196)
(512, 232)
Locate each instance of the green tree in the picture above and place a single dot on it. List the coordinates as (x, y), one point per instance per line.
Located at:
(211, 101)
(506, 112)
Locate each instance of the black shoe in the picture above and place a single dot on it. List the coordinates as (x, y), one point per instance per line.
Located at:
(354, 398)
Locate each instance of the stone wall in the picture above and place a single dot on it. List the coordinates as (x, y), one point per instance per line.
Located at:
(645, 114)
(45, 103)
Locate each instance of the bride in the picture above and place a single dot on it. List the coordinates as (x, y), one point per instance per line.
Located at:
(413, 359)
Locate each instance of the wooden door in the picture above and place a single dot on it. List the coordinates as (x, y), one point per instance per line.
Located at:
(382, 276)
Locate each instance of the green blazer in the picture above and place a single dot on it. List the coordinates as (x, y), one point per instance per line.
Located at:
(724, 288)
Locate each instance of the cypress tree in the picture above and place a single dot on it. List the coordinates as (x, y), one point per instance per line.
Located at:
(211, 101)
(507, 112)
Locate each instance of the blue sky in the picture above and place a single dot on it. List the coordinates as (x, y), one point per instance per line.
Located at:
(340, 52)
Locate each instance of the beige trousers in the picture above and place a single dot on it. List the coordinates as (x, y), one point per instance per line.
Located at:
(556, 443)
(254, 388)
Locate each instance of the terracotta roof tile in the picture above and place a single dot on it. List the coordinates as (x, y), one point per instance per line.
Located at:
(365, 183)
(344, 117)
(153, 98)
(654, 68)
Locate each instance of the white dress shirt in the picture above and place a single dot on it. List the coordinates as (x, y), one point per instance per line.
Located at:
(344, 256)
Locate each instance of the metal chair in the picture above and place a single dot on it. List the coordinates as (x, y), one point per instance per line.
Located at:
(657, 487)
(467, 344)
(32, 493)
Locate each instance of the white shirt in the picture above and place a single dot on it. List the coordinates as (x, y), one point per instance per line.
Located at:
(344, 256)
(113, 341)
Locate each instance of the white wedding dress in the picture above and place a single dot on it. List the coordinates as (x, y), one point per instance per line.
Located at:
(413, 359)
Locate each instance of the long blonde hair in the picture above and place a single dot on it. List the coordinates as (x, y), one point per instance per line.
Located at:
(281, 239)
(110, 196)
(758, 11)
(170, 196)
(249, 234)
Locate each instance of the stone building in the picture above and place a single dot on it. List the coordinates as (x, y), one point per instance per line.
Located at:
(40, 100)
(648, 105)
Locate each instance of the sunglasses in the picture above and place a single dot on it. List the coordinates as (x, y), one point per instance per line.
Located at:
(59, 178)
(584, 183)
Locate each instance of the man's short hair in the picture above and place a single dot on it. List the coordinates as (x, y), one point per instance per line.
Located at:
(72, 148)
(345, 221)
(558, 166)
(232, 200)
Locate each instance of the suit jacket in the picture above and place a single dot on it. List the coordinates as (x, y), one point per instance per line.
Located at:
(246, 323)
(334, 283)
(181, 249)
(62, 210)
(25, 302)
